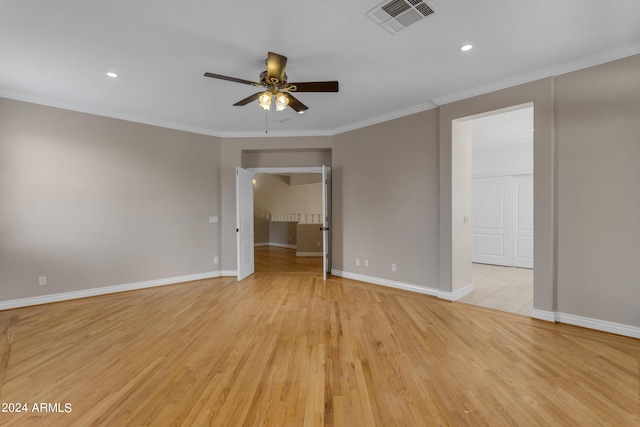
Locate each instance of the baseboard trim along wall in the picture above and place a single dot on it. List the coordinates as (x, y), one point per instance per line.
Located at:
(308, 254)
(277, 245)
(449, 296)
(385, 282)
(587, 322)
(456, 295)
(65, 296)
(228, 273)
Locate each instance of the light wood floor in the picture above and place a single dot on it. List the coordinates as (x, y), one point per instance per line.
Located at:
(289, 349)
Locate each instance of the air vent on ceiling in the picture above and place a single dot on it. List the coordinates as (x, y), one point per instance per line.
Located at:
(396, 15)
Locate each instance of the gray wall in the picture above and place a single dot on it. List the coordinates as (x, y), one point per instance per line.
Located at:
(90, 201)
(385, 200)
(598, 135)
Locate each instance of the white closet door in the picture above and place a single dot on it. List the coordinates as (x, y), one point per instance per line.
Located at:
(523, 221)
(492, 216)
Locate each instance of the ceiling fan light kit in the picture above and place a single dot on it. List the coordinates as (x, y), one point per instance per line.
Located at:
(274, 80)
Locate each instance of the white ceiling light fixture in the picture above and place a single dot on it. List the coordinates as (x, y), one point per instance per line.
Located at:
(281, 101)
(265, 100)
(112, 74)
(466, 47)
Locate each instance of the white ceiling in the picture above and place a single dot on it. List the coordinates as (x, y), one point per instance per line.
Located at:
(57, 53)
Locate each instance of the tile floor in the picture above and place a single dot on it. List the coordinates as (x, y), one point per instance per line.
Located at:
(501, 288)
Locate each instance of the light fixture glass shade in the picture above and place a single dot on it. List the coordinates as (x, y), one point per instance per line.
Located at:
(281, 101)
(265, 100)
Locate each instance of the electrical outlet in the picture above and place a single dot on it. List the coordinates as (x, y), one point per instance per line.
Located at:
(366, 263)
(42, 281)
(357, 262)
(393, 267)
(215, 260)
(213, 219)
(318, 244)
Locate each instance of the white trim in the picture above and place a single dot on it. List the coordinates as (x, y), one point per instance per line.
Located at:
(384, 282)
(599, 325)
(551, 71)
(309, 254)
(34, 99)
(256, 245)
(587, 322)
(457, 294)
(228, 273)
(45, 299)
(302, 169)
(429, 105)
(547, 316)
(490, 175)
(283, 245)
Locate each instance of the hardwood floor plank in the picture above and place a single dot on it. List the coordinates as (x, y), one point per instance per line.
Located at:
(288, 349)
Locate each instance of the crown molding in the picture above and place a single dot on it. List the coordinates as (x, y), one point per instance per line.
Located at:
(429, 105)
(551, 71)
(104, 113)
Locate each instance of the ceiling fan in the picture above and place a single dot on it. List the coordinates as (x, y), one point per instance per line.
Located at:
(274, 81)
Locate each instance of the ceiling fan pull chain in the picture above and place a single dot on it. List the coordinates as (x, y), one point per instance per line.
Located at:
(265, 121)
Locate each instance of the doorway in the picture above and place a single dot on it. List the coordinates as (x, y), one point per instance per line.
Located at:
(494, 154)
(290, 219)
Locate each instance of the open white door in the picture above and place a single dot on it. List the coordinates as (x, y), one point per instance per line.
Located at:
(244, 222)
(326, 221)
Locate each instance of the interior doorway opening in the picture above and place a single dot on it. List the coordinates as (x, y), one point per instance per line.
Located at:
(492, 191)
(291, 220)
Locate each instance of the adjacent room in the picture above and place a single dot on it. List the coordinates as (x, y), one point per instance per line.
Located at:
(468, 256)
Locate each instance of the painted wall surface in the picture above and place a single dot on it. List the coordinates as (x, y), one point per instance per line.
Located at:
(461, 200)
(89, 201)
(598, 134)
(283, 233)
(385, 200)
(274, 194)
(503, 160)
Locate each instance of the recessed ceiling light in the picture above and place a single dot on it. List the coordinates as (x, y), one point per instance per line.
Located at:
(111, 74)
(465, 47)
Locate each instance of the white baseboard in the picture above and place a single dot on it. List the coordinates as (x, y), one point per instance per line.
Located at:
(308, 254)
(65, 296)
(449, 296)
(547, 316)
(255, 245)
(283, 245)
(587, 322)
(386, 282)
(228, 273)
(457, 294)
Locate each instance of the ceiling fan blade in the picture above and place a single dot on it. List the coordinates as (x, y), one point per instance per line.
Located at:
(331, 86)
(248, 99)
(275, 66)
(296, 105)
(232, 79)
